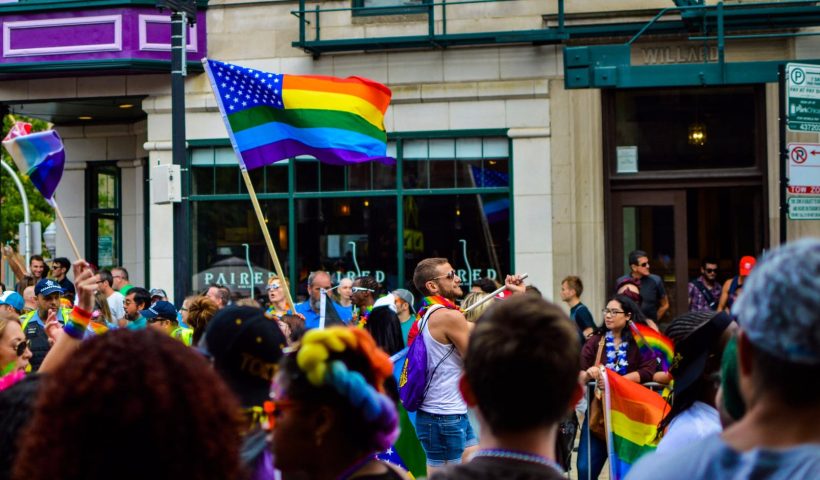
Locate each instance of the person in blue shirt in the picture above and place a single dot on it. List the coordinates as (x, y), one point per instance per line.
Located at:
(335, 314)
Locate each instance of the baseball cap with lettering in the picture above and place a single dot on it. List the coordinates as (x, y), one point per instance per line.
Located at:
(246, 348)
(47, 286)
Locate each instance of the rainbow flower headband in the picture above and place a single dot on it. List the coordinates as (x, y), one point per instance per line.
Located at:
(377, 408)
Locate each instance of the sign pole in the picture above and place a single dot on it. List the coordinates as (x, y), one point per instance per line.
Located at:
(784, 154)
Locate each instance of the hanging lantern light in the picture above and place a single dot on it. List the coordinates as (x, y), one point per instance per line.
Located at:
(697, 134)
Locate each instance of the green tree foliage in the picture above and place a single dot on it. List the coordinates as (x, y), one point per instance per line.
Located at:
(11, 205)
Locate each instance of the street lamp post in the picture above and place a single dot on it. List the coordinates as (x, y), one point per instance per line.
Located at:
(183, 13)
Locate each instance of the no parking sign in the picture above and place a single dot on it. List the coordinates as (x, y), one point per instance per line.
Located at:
(804, 168)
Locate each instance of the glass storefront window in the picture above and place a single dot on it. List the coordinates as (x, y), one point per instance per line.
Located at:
(434, 226)
(216, 171)
(218, 254)
(686, 128)
(334, 210)
(327, 229)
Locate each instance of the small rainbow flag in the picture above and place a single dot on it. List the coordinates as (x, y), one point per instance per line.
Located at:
(39, 156)
(656, 343)
(633, 413)
(273, 116)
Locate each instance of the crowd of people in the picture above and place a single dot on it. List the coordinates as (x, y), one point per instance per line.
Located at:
(111, 380)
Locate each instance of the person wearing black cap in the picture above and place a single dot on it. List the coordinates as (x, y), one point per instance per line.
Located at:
(38, 323)
(245, 348)
(700, 338)
(162, 316)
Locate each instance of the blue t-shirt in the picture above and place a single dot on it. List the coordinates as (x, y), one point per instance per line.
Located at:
(712, 458)
(312, 318)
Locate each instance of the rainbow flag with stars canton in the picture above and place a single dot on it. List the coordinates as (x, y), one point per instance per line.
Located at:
(273, 116)
(39, 156)
(633, 413)
(654, 343)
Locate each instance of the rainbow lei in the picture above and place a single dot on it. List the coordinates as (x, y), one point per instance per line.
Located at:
(363, 316)
(9, 377)
(428, 302)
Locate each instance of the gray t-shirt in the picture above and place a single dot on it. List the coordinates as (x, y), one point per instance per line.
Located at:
(713, 458)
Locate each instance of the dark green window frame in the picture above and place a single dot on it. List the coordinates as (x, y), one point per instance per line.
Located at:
(361, 10)
(397, 140)
(94, 212)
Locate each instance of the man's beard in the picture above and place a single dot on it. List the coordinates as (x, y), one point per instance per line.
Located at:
(314, 304)
(132, 316)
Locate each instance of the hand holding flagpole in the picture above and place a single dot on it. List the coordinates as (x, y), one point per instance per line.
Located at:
(492, 295)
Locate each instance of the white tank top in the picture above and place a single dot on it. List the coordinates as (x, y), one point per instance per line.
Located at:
(443, 396)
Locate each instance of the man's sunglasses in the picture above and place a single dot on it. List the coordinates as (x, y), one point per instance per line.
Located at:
(644, 264)
(450, 275)
(362, 289)
(710, 270)
(22, 347)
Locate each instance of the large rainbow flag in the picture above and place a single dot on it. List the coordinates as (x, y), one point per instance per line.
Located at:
(654, 343)
(273, 116)
(39, 156)
(633, 413)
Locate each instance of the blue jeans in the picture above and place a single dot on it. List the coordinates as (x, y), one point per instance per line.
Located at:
(444, 437)
(590, 469)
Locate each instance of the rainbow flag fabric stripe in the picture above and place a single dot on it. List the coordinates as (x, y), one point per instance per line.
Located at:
(633, 413)
(656, 343)
(273, 116)
(39, 156)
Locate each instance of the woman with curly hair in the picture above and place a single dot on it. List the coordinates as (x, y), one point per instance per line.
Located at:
(199, 310)
(329, 397)
(131, 405)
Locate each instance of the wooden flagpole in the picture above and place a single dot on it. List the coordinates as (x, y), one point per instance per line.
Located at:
(65, 228)
(266, 234)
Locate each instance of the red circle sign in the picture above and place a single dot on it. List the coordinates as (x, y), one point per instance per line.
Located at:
(799, 155)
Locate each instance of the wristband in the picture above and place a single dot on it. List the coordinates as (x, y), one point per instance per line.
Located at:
(77, 323)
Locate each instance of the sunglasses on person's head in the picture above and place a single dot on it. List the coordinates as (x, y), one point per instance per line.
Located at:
(362, 289)
(22, 347)
(450, 275)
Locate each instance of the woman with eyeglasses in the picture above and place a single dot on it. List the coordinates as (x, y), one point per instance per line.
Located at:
(330, 397)
(612, 346)
(14, 350)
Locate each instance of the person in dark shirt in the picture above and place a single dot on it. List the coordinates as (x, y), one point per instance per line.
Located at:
(571, 289)
(654, 300)
(521, 376)
(59, 269)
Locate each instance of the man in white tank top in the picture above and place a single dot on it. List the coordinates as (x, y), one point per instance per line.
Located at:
(441, 421)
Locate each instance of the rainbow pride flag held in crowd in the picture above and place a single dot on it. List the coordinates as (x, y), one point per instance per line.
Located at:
(655, 343)
(407, 452)
(39, 156)
(633, 413)
(272, 116)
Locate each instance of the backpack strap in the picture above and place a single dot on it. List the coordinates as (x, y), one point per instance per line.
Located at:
(445, 357)
(710, 299)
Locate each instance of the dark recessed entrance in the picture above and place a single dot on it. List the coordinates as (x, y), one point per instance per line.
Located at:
(685, 178)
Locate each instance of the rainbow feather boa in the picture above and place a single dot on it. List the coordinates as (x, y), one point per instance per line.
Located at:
(376, 407)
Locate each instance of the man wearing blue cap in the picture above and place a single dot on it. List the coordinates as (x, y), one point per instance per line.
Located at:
(38, 323)
(12, 301)
(162, 316)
